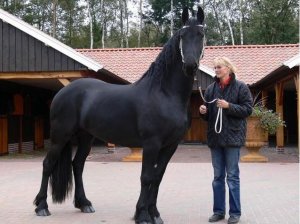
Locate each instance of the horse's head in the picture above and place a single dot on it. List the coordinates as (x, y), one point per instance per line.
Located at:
(191, 41)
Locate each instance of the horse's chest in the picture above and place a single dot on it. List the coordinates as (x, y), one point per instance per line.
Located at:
(175, 123)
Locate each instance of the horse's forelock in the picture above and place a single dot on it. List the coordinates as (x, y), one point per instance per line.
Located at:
(192, 22)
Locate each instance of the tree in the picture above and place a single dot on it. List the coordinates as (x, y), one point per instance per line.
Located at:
(141, 20)
(71, 17)
(127, 22)
(15, 7)
(54, 12)
(91, 25)
(241, 15)
(172, 18)
(228, 17)
(121, 8)
(273, 22)
(110, 23)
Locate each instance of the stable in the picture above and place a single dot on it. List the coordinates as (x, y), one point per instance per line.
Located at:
(281, 88)
(33, 67)
(254, 63)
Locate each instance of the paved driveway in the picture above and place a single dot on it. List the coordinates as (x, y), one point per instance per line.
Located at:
(269, 191)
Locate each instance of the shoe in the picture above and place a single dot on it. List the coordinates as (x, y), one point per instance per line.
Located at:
(216, 218)
(233, 219)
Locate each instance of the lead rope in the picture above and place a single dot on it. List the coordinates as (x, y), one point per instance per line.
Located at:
(219, 115)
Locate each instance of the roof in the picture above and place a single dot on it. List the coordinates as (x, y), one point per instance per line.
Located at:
(128, 63)
(50, 41)
(288, 67)
(292, 62)
(253, 61)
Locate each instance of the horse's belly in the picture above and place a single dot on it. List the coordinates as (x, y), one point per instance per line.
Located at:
(119, 138)
(117, 131)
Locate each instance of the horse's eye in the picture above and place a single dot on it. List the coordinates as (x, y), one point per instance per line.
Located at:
(182, 32)
(199, 33)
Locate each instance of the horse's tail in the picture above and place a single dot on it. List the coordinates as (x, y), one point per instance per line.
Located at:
(61, 177)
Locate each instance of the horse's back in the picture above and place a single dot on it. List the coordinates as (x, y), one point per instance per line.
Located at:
(71, 95)
(82, 89)
(106, 111)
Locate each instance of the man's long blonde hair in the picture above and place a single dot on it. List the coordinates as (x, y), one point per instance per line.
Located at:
(225, 62)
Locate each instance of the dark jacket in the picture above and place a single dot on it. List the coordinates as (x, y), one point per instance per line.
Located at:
(239, 97)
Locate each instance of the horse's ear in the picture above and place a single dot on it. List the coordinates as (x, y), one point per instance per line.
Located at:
(200, 15)
(185, 15)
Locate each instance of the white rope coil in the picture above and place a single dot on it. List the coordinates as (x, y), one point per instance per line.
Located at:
(219, 118)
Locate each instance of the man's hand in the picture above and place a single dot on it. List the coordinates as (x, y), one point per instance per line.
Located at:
(203, 109)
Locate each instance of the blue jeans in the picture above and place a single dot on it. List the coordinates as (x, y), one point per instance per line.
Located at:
(225, 162)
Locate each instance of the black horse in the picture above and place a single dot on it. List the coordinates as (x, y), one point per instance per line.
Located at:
(151, 113)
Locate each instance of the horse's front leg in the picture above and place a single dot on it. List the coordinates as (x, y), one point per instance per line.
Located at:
(164, 157)
(150, 153)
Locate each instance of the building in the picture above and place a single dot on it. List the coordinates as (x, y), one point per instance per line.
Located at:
(33, 67)
(254, 63)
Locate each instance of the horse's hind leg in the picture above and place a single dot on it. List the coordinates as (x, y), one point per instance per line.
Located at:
(164, 157)
(48, 166)
(84, 147)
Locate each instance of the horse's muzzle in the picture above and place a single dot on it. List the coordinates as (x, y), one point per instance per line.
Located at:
(190, 69)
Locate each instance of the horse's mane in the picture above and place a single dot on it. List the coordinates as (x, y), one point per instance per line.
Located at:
(163, 61)
(166, 58)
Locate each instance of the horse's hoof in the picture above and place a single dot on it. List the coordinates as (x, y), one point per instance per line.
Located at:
(158, 220)
(87, 209)
(42, 212)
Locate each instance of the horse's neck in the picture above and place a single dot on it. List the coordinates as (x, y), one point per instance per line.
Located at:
(176, 84)
(171, 82)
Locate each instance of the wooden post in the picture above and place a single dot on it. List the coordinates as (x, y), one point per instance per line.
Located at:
(3, 136)
(264, 96)
(279, 109)
(111, 147)
(296, 79)
(20, 133)
(38, 133)
(19, 110)
(135, 155)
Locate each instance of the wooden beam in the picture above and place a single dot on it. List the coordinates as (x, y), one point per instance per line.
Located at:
(282, 80)
(65, 82)
(264, 97)
(279, 110)
(41, 75)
